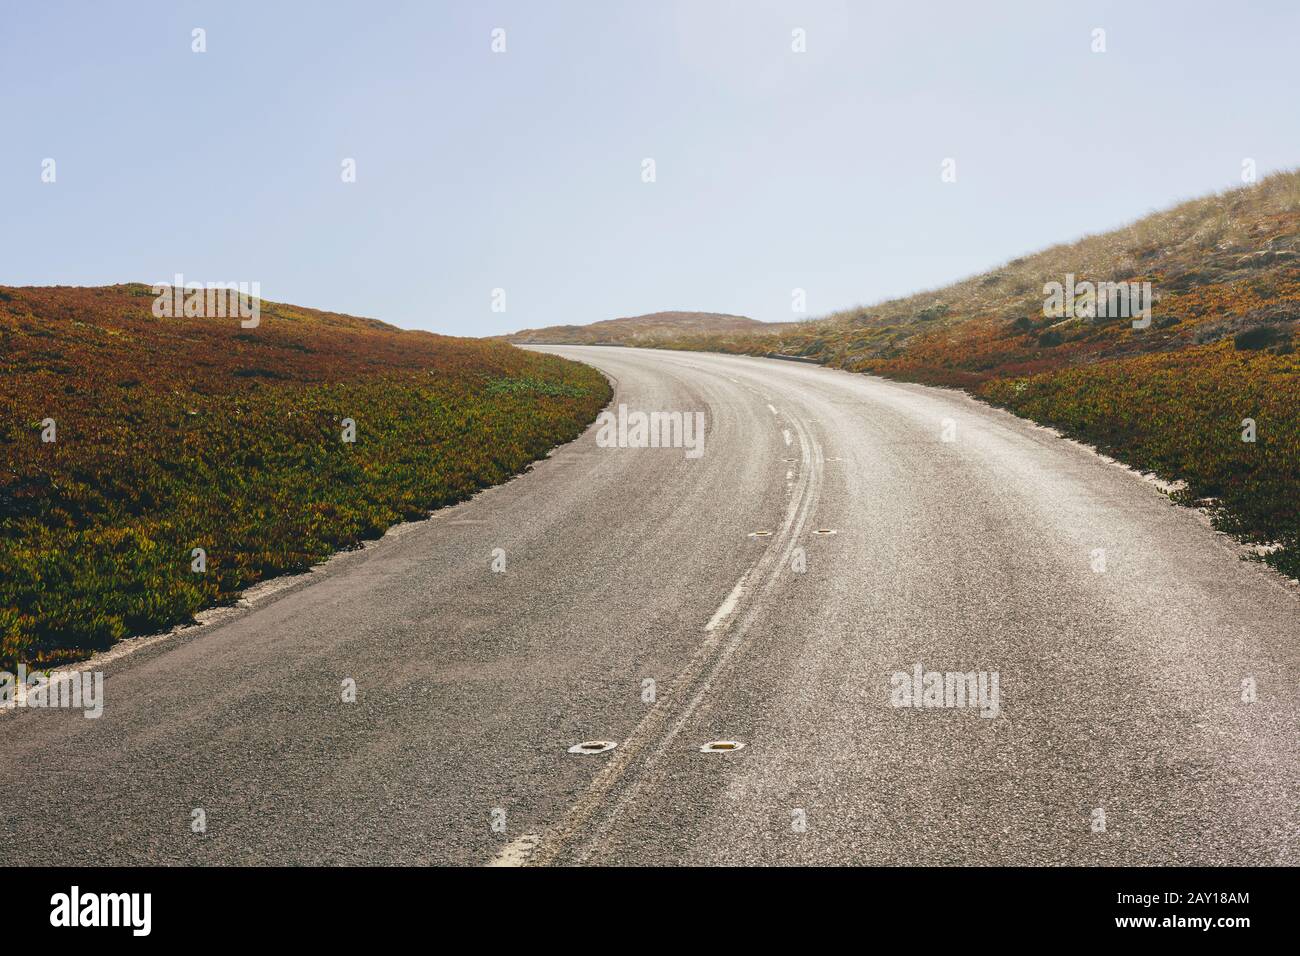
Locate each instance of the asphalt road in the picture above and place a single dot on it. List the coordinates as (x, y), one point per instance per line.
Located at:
(1120, 675)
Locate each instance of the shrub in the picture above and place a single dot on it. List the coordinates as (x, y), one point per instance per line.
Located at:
(1260, 337)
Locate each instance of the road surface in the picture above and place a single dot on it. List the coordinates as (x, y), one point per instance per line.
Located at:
(1125, 637)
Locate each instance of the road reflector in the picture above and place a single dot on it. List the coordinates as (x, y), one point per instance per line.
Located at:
(593, 747)
(759, 534)
(721, 746)
(824, 531)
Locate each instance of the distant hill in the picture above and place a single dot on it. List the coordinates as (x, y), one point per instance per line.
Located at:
(646, 329)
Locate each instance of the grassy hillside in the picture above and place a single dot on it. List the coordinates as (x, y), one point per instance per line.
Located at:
(1170, 398)
(175, 434)
(644, 329)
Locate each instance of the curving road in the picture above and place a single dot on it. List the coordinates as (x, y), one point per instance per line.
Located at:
(1119, 627)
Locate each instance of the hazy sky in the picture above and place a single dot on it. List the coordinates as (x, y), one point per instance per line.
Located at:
(522, 170)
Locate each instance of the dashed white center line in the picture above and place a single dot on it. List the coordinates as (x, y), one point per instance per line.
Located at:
(584, 828)
(727, 606)
(517, 852)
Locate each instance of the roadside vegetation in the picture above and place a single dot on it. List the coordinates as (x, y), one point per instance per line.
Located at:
(638, 329)
(182, 433)
(1170, 398)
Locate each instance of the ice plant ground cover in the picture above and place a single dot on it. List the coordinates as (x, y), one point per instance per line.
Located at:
(129, 441)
